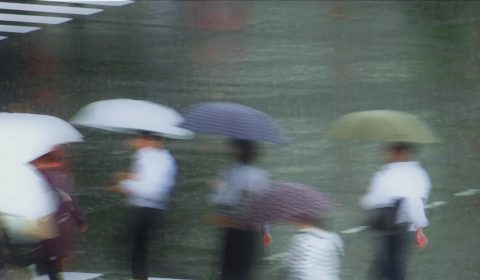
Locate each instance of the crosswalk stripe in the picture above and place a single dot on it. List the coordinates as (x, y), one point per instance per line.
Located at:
(469, 192)
(33, 19)
(155, 278)
(354, 230)
(48, 8)
(17, 28)
(72, 276)
(435, 204)
(117, 3)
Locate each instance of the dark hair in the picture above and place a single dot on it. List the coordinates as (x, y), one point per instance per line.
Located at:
(149, 135)
(246, 150)
(319, 221)
(402, 146)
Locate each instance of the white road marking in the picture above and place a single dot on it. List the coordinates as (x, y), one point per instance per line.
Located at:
(73, 276)
(17, 28)
(277, 256)
(116, 3)
(89, 276)
(435, 204)
(354, 230)
(33, 19)
(469, 192)
(48, 8)
(154, 278)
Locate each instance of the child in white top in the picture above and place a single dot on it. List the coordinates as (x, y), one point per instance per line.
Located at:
(315, 254)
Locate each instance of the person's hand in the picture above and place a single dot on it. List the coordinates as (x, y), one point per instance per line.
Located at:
(83, 228)
(116, 188)
(267, 240)
(117, 178)
(420, 238)
(120, 176)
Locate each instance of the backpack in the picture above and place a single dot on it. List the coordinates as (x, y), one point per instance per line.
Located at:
(383, 218)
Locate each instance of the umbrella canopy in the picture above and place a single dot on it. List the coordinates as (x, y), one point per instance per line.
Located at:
(287, 201)
(233, 120)
(25, 137)
(130, 116)
(382, 125)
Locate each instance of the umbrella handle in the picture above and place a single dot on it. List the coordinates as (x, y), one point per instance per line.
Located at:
(267, 240)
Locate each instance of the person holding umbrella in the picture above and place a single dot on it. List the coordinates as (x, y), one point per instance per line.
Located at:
(147, 188)
(69, 218)
(237, 185)
(396, 196)
(397, 193)
(27, 204)
(148, 184)
(315, 253)
(234, 189)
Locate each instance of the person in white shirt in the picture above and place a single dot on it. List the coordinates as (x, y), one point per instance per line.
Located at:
(405, 182)
(147, 188)
(235, 188)
(315, 253)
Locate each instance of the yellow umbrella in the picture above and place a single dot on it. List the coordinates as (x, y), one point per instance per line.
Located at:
(382, 125)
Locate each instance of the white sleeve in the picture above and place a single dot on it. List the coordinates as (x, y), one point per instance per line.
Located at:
(374, 194)
(426, 187)
(415, 208)
(153, 179)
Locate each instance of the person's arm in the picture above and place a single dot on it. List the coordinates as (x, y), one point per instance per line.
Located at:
(417, 215)
(416, 212)
(373, 194)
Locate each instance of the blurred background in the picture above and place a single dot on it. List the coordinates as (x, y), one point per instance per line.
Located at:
(303, 62)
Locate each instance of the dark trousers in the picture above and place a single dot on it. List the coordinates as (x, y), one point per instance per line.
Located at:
(390, 263)
(146, 222)
(51, 267)
(238, 253)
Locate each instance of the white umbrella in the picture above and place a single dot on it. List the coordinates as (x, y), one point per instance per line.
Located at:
(25, 137)
(130, 116)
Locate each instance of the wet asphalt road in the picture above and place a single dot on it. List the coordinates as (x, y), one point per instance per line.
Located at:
(305, 63)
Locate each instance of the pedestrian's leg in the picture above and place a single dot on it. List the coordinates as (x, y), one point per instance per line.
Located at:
(148, 220)
(397, 249)
(246, 253)
(229, 257)
(238, 255)
(140, 245)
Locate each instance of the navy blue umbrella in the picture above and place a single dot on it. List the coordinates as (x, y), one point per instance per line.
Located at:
(232, 120)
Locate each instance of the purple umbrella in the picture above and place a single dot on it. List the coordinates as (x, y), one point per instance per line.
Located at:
(287, 201)
(232, 120)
